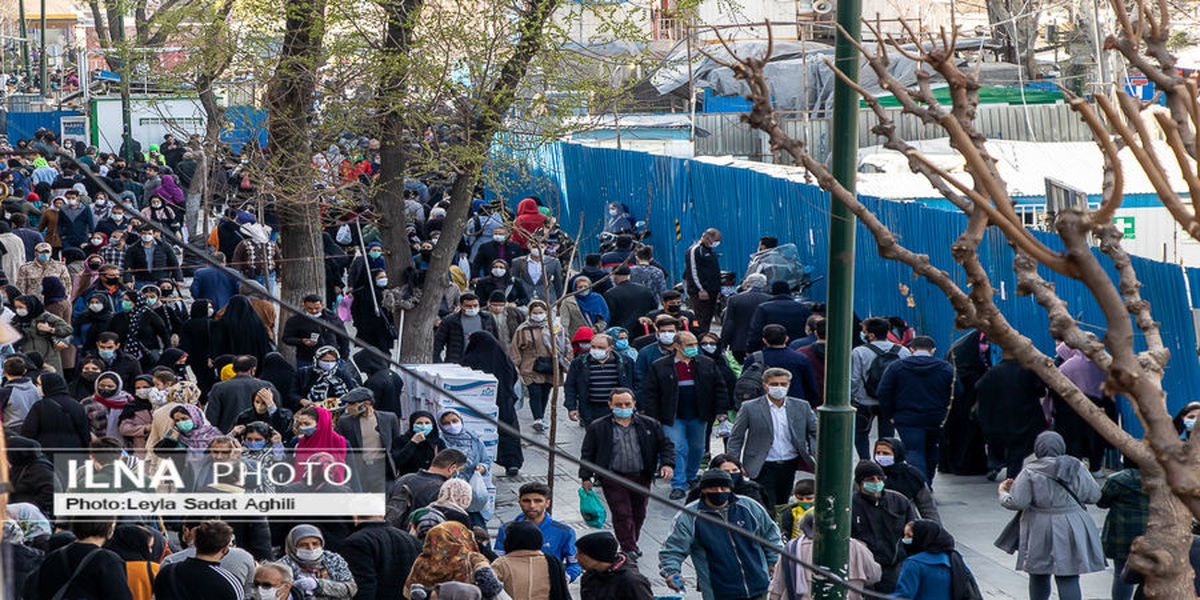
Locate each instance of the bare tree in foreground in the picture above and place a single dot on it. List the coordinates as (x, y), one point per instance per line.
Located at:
(1170, 467)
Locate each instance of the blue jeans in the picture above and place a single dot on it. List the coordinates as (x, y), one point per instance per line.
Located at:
(688, 437)
(921, 447)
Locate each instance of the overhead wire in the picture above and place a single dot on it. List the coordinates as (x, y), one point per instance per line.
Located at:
(607, 475)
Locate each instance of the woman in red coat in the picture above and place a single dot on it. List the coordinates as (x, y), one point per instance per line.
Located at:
(528, 221)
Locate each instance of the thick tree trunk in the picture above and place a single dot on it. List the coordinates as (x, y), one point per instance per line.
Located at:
(290, 99)
(1161, 555)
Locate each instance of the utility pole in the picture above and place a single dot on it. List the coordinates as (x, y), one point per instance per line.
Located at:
(24, 38)
(42, 52)
(835, 444)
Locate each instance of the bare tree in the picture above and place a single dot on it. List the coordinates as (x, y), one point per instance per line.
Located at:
(1169, 465)
(1015, 23)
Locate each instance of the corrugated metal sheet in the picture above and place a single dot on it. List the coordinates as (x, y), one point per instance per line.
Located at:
(22, 125)
(1048, 122)
(687, 196)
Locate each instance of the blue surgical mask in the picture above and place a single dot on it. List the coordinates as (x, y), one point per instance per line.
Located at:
(622, 413)
(43, 256)
(185, 425)
(374, 254)
(873, 487)
(107, 354)
(622, 344)
(256, 445)
(1189, 424)
(308, 430)
(691, 351)
(423, 429)
(906, 541)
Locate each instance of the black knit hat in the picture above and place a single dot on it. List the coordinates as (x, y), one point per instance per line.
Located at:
(715, 478)
(601, 546)
(522, 535)
(865, 469)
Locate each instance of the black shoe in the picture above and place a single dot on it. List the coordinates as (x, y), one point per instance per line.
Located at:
(993, 474)
(633, 555)
(512, 472)
(678, 494)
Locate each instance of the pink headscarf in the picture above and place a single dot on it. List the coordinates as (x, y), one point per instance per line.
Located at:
(324, 439)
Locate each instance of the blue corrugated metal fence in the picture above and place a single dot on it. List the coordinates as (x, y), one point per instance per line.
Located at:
(22, 125)
(687, 196)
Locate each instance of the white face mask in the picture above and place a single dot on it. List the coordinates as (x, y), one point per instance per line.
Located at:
(499, 272)
(97, 242)
(470, 312)
(666, 338)
(613, 212)
(210, 311)
(537, 317)
(499, 238)
(714, 244)
(147, 237)
(535, 252)
(885, 460)
(96, 307)
(777, 391)
(381, 282)
(309, 555)
(453, 428)
(598, 354)
(22, 312)
(261, 593)
(708, 348)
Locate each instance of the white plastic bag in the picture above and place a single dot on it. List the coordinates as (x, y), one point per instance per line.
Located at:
(479, 493)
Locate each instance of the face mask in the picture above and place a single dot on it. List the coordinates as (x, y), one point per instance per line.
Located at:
(89, 375)
(210, 311)
(622, 345)
(112, 280)
(147, 237)
(535, 252)
(598, 354)
(423, 429)
(585, 291)
(118, 217)
(327, 365)
(499, 238)
(374, 254)
(736, 477)
(73, 201)
(585, 346)
(266, 593)
(728, 290)
(537, 317)
(256, 444)
(157, 397)
(714, 244)
(805, 505)
(498, 272)
(157, 204)
(96, 307)
(97, 242)
(126, 305)
(1189, 423)
(666, 338)
(94, 266)
(107, 354)
(166, 291)
(717, 498)
(471, 312)
(691, 352)
(143, 393)
(381, 282)
(312, 555)
(22, 312)
(43, 257)
(777, 392)
(308, 430)
(622, 413)
(672, 308)
(185, 425)
(885, 460)
(709, 348)
(151, 300)
(906, 541)
(107, 393)
(453, 428)
(873, 487)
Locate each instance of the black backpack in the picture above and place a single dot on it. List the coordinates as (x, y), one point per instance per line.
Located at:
(749, 383)
(879, 364)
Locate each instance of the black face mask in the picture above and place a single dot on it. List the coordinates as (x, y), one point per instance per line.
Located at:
(88, 375)
(107, 393)
(718, 498)
(673, 308)
(111, 280)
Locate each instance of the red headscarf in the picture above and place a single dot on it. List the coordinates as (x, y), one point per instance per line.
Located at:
(324, 439)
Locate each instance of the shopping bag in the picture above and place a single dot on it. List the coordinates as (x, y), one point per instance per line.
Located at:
(591, 508)
(479, 493)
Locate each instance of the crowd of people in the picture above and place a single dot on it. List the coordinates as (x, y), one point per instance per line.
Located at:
(129, 350)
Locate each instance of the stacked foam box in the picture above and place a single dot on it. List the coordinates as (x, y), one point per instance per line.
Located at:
(476, 398)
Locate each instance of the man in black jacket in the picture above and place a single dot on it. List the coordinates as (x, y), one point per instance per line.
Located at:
(914, 394)
(781, 309)
(739, 310)
(452, 333)
(500, 247)
(592, 377)
(628, 301)
(878, 517)
(102, 578)
(228, 399)
(418, 490)
(57, 421)
(201, 577)
(379, 557)
(369, 434)
(151, 261)
(595, 273)
(307, 336)
(607, 574)
(702, 278)
(685, 392)
(632, 446)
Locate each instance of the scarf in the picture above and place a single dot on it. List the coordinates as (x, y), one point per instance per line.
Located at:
(134, 343)
(455, 493)
(198, 439)
(260, 255)
(327, 385)
(323, 441)
(449, 554)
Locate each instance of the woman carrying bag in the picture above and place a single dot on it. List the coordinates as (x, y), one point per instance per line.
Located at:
(1056, 537)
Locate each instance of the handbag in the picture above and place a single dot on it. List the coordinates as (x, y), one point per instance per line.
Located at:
(1010, 537)
(543, 364)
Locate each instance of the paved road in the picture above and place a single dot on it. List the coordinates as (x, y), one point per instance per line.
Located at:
(968, 507)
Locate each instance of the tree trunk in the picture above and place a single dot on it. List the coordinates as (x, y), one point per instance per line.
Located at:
(290, 99)
(1161, 555)
(389, 190)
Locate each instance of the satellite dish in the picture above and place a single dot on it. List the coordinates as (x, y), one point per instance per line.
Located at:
(822, 7)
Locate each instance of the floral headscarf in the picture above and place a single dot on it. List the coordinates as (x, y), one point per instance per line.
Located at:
(455, 493)
(183, 392)
(449, 554)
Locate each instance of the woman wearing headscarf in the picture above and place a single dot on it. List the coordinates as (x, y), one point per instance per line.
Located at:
(182, 393)
(92, 320)
(381, 380)
(262, 446)
(134, 544)
(450, 554)
(621, 339)
(191, 432)
(31, 474)
(42, 332)
(1185, 419)
(266, 409)
(135, 420)
(584, 308)
(484, 353)
(1082, 440)
(104, 405)
(91, 270)
(962, 439)
(159, 212)
(57, 420)
(791, 581)
(54, 297)
(526, 571)
(315, 435)
(317, 573)
(170, 191)
(276, 370)
(1057, 536)
(199, 338)
(416, 448)
(143, 334)
(454, 498)
(530, 350)
(499, 279)
(174, 359)
(456, 436)
(905, 478)
(371, 321)
(328, 377)
(243, 331)
(934, 570)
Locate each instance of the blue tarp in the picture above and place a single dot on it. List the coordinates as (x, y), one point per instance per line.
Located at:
(243, 125)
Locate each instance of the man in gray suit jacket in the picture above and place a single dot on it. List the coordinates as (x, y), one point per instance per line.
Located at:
(774, 435)
(369, 434)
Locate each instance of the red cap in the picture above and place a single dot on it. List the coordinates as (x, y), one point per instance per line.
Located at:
(32, 197)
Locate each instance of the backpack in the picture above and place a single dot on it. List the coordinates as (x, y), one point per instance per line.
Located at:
(879, 364)
(749, 383)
